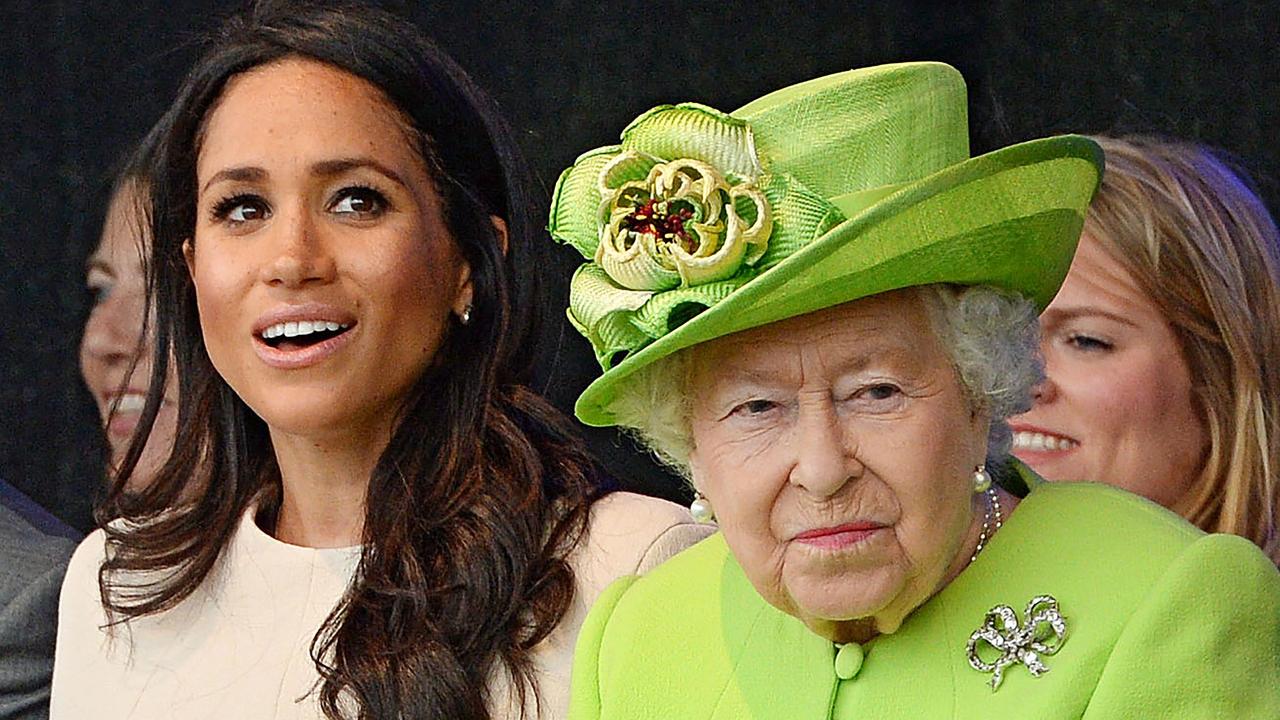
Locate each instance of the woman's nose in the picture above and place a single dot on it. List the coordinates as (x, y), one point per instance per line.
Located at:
(825, 459)
(113, 331)
(1045, 391)
(299, 254)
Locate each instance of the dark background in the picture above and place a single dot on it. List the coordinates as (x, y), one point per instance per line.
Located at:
(80, 81)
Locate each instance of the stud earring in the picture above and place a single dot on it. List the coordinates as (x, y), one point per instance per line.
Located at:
(465, 317)
(701, 510)
(981, 479)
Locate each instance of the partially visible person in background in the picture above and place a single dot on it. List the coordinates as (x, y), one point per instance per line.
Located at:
(1160, 349)
(115, 353)
(34, 548)
(34, 545)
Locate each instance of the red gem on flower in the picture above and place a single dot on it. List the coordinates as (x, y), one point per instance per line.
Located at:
(651, 219)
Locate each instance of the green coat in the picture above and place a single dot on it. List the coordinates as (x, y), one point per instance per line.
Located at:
(1163, 621)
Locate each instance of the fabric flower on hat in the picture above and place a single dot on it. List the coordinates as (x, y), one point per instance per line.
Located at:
(672, 220)
(682, 224)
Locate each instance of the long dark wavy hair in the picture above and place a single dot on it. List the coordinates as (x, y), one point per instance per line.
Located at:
(483, 489)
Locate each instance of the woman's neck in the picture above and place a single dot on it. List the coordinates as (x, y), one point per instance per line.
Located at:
(323, 489)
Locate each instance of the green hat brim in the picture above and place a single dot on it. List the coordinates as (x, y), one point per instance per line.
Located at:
(1010, 219)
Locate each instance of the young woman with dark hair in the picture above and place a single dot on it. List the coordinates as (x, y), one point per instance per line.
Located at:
(115, 349)
(365, 514)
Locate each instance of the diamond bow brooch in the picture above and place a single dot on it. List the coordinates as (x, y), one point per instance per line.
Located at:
(1040, 633)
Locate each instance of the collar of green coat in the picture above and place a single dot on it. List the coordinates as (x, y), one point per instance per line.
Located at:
(784, 670)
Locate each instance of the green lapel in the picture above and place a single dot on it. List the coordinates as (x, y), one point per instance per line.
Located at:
(779, 669)
(782, 670)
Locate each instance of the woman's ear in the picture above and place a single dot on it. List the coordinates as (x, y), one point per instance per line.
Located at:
(981, 434)
(466, 294)
(501, 226)
(189, 254)
(695, 474)
(702, 508)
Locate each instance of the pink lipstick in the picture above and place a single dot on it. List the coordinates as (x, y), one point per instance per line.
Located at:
(839, 537)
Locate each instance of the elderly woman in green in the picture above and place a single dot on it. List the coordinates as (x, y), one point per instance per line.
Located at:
(821, 310)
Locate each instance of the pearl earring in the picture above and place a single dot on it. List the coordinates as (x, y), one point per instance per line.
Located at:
(701, 510)
(981, 479)
(465, 317)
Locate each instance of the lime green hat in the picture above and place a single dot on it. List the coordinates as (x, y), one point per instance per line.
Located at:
(701, 224)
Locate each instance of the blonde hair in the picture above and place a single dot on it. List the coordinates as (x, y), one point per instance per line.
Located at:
(1202, 246)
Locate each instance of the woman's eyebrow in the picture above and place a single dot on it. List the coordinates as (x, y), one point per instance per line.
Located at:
(235, 174)
(1057, 315)
(337, 166)
(323, 168)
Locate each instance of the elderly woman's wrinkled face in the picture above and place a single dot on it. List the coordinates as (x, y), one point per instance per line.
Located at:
(838, 450)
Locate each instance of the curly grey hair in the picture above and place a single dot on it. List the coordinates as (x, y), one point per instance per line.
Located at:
(991, 336)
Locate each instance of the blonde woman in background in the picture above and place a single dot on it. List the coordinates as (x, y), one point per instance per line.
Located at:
(1159, 349)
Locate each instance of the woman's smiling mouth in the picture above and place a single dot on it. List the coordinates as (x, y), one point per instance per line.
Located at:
(1036, 440)
(298, 337)
(301, 334)
(126, 410)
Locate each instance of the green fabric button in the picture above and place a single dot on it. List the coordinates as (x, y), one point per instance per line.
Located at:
(848, 661)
